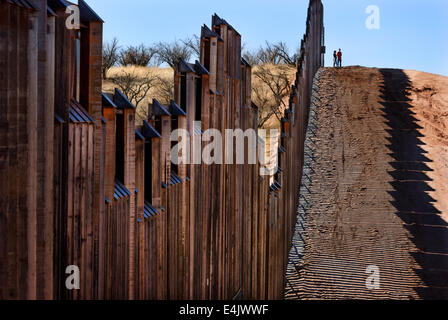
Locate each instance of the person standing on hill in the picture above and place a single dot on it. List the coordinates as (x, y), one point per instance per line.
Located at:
(335, 59)
(339, 54)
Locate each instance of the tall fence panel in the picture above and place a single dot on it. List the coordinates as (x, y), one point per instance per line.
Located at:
(82, 185)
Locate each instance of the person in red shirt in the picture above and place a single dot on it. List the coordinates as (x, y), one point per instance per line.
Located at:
(339, 54)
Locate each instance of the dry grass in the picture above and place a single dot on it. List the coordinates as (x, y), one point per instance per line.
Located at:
(162, 88)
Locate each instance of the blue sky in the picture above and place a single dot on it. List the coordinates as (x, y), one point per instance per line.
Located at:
(413, 34)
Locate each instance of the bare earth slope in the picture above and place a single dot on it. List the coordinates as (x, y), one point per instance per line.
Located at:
(377, 190)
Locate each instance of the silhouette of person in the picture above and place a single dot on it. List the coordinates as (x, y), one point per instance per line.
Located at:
(335, 59)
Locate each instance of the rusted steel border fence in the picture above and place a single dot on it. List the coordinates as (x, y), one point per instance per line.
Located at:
(82, 186)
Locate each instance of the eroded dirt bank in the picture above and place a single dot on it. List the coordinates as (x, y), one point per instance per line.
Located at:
(376, 193)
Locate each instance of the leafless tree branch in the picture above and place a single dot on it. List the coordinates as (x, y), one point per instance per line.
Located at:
(110, 56)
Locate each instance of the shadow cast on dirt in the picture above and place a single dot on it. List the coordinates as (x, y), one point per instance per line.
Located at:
(429, 232)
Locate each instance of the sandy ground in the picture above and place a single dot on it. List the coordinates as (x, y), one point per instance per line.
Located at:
(429, 96)
(375, 195)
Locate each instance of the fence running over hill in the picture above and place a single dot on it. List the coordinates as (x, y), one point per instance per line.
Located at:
(82, 185)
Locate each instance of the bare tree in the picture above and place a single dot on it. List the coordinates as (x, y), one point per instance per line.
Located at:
(194, 43)
(110, 56)
(264, 103)
(282, 51)
(251, 57)
(269, 54)
(164, 89)
(134, 86)
(271, 93)
(272, 53)
(137, 56)
(171, 53)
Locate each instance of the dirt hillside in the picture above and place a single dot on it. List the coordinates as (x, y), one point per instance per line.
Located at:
(375, 194)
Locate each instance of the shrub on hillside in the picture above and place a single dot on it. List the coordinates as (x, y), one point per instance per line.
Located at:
(137, 56)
